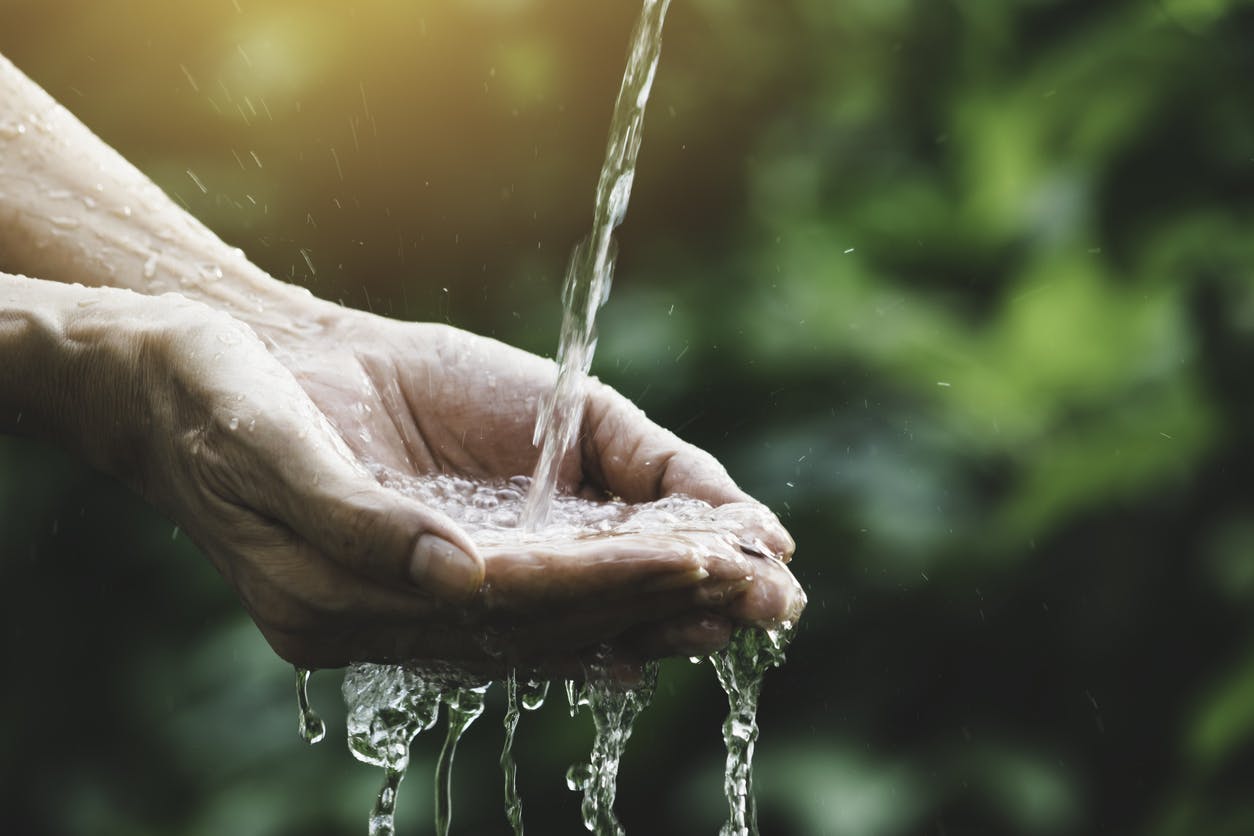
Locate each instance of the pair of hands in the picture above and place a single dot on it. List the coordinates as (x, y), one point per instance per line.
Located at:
(249, 416)
(255, 442)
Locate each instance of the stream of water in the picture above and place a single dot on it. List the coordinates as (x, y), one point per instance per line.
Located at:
(591, 268)
(389, 706)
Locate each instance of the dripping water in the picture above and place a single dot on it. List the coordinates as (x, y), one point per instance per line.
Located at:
(614, 708)
(527, 695)
(388, 706)
(740, 669)
(312, 729)
(464, 706)
(513, 804)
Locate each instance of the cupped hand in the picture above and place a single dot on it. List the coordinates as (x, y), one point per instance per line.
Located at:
(425, 398)
(259, 450)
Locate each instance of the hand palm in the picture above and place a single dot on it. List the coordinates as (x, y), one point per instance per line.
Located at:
(421, 399)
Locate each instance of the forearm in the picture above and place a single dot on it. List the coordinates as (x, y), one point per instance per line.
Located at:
(73, 210)
(71, 369)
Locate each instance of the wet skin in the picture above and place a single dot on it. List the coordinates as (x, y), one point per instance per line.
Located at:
(421, 398)
(249, 411)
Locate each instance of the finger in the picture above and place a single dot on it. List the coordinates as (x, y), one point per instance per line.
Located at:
(321, 492)
(773, 598)
(698, 634)
(581, 573)
(757, 529)
(640, 461)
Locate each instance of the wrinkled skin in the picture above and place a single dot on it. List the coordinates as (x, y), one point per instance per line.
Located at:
(249, 415)
(258, 448)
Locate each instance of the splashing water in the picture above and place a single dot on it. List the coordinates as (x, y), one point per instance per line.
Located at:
(464, 707)
(614, 709)
(312, 729)
(489, 512)
(591, 268)
(740, 669)
(388, 706)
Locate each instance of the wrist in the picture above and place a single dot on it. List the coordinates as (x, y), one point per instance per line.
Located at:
(72, 372)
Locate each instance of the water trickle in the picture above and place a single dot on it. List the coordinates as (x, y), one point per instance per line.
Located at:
(740, 668)
(312, 729)
(388, 706)
(526, 695)
(590, 272)
(614, 708)
(513, 804)
(464, 707)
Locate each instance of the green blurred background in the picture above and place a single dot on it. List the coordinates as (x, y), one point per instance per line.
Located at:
(961, 288)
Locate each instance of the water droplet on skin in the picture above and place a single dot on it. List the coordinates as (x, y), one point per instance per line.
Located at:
(64, 222)
(233, 424)
(150, 266)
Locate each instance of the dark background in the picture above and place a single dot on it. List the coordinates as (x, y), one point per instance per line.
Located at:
(962, 289)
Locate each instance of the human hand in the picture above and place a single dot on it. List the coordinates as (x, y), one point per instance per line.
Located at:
(249, 456)
(423, 399)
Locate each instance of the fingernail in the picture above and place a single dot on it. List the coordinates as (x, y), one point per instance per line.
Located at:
(442, 568)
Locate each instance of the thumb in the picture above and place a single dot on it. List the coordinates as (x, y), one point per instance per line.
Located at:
(343, 512)
(391, 538)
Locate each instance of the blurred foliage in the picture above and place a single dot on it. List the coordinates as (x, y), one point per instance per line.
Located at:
(963, 289)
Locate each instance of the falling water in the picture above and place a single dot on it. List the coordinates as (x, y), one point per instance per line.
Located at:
(740, 668)
(388, 706)
(312, 729)
(591, 267)
(464, 707)
(513, 803)
(528, 695)
(614, 709)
